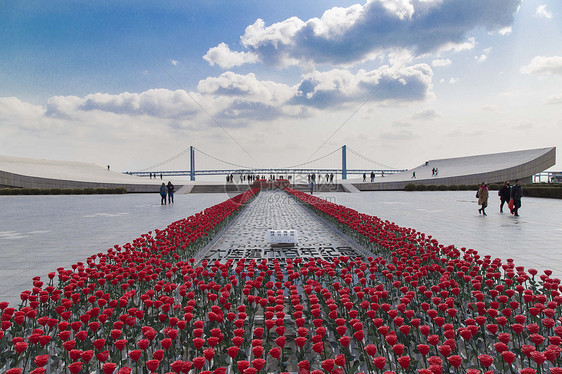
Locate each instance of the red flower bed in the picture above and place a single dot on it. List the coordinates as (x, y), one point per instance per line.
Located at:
(414, 306)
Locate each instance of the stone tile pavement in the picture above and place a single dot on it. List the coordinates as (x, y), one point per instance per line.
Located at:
(247, 236)
(39, 234)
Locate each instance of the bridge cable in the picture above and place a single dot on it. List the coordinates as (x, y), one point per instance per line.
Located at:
(369, 160)
(226, 162)
(201, 106)
(385, 81)
(166, 161)
(309, 162)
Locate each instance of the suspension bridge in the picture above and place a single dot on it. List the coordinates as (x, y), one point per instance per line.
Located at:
(340, 163)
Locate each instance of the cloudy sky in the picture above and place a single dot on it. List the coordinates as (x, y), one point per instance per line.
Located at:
(273, 84)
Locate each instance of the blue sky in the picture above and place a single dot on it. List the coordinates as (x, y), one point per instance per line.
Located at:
(132, 83)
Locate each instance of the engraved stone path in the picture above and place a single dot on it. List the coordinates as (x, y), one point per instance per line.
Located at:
(247, 236)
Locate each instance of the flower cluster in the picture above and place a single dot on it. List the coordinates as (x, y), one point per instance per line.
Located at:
(446, 309)
(414, 306)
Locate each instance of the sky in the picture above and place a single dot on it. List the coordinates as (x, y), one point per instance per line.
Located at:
(274, 84)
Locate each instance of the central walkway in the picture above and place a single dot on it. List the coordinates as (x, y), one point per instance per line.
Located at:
(247, 236)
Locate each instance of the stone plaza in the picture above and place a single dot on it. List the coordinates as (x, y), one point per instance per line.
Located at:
(42, 233)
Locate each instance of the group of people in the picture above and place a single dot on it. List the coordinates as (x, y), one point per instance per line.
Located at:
(508, 194)
(153, 175)
(328, 178)
(372, 176)
(167, 191)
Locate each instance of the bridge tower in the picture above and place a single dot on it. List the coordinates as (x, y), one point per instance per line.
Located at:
(191, 163)
(343, 162)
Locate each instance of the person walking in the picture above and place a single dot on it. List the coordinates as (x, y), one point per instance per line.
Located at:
(163, 192)
(311, 186)
(482, 195)
(170, 188)
(414, 175)
(505, 194)
(516, 195)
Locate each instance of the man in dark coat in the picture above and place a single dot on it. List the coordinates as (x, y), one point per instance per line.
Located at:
(171, 188)
(516, 195)
(505, 194)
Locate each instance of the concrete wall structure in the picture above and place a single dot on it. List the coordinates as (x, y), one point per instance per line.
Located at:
(490, 168)
(33, 173)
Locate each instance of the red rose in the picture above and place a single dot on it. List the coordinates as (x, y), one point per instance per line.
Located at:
(345, 340)
(485, 360)
(242, 365)
(301, 341)
(280, 341)
(120, 344)
(75, 367)
(41, 360)
(152, 365)
(209, 353)
(404, 361)
(135, 355)
(99, 343)
(258, 363)
(102, 356)
(166, 343)
(508, 356)
(275, 352)
(177, 366)
(423, 349)
(371, 349)
(379, 362)
(328, 365)
(109, 368)
(455, 360)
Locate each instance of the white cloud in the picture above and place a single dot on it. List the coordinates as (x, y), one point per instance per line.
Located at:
(426, 114)
(345, 36)
(335, 88)
(398, 136)
(542, 12)
(554, 99)
(441, 62)
(401, 123)
(505, 31)
(231, 99)
(222, 56)
(174, 62)
(158, 103)
(481, 58)
(12, 107)
(544, 65)
(469, 44)
(484, 56)
(491, 108)
(244, 96)
(450, 81)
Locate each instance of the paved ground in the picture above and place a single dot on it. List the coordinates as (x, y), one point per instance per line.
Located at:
(247, 236)
(38, 234)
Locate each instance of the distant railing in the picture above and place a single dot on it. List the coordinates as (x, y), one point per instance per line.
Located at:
(266, 172)
(548, 177)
